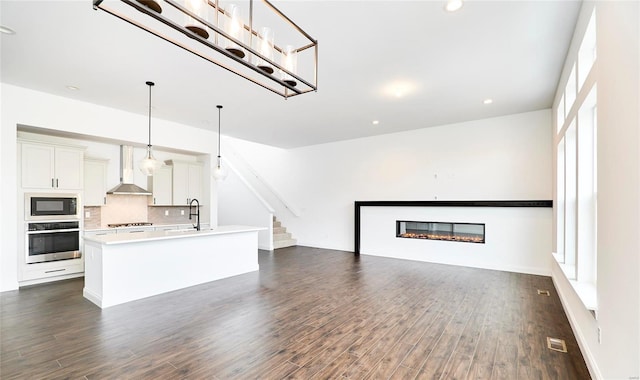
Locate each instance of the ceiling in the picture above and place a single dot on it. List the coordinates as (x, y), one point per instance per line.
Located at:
(509, 51)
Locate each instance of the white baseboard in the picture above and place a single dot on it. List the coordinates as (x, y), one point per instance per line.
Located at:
(92, 297)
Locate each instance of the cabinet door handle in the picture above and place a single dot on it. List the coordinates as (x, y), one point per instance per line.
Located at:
(104, 200)
(52, 183)
(154, 200)
(56, 182)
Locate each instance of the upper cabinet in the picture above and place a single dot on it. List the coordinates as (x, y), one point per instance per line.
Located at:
(160, 184)
(95, 182)
(56, 167)
(187, 181)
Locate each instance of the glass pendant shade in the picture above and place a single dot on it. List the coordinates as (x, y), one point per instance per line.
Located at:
(234, 27)
(219, 172)
(148, 165)
(265, 48)
(199, 8)
(289, 62)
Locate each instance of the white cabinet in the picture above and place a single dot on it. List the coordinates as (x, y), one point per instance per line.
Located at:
(36, 273)
(47, 166)
(95, 182)
(187, 181)
(133, 230)
(168, 227)
(99, 232)
(160, 184)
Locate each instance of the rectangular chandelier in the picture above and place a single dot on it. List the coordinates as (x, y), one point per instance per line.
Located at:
(270, 50)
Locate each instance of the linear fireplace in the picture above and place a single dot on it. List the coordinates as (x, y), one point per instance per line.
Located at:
(461, 232)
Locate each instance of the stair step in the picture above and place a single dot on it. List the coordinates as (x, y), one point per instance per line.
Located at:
(279, 230)
(285, 236)
(277, 224)
(284, 243)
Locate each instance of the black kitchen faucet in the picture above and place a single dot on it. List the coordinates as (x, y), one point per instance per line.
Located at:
(197, 213)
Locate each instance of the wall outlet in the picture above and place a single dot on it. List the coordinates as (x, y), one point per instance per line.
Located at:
(87, 214)
(181, 212)
(599, 335)
(166, 212)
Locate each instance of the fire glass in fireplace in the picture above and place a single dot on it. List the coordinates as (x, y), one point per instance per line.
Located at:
(464, 232)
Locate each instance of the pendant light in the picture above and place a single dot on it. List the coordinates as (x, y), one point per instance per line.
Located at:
(219, 173)
(149, 164)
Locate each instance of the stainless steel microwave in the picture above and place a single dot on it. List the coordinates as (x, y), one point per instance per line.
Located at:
(40, 206)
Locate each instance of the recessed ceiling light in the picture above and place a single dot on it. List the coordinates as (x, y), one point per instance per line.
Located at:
(375, 122)
(488, 101)
(72, 88)
(453, 5)
(6, 30)
(399, 88)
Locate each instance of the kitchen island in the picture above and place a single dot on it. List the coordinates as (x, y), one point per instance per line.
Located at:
(125, 267)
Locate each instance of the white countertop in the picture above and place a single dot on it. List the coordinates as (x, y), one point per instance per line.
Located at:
(164, 235)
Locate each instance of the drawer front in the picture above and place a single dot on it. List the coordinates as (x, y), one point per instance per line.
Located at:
(35, 271)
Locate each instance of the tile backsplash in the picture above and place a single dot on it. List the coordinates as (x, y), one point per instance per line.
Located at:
(93, 221)
(157, 215)
(132, 209)
(124, 209)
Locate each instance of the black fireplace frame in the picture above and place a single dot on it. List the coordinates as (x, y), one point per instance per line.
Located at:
(359, 204)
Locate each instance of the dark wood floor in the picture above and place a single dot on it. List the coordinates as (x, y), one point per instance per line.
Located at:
(307, 314)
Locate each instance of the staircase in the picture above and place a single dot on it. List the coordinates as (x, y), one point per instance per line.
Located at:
(281, 238)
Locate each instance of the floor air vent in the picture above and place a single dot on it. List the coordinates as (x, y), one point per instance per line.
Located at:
(556, 344)
(543, 293)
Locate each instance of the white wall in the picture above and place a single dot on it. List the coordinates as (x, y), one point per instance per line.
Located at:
(36, 109)
(517, 238)
(239, 205)
(499, 158)
(618, 219)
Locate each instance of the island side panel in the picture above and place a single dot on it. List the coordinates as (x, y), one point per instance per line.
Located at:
(93, 272)
(143, 269)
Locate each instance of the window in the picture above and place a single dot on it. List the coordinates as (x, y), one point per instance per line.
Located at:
(587, 189)
(570, 200)
(559, 204)
(570, 91)
(560, 114)
(587, 52)
(576, 172)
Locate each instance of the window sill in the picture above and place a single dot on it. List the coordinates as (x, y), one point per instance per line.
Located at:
(586, 291)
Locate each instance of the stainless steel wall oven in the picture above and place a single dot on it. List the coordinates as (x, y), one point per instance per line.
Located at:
(52, 241)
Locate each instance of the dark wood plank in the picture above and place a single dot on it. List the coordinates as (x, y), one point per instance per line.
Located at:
(307, 314)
